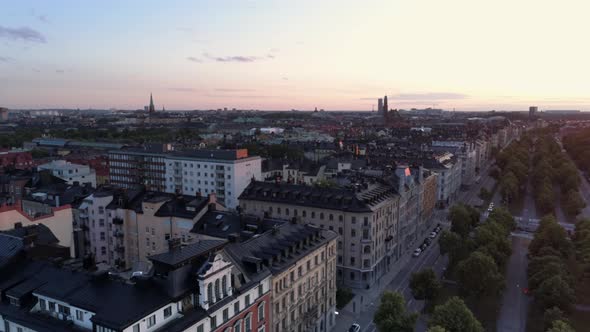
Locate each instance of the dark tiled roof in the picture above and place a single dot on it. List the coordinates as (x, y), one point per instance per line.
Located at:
(10, 247)
(267, 247)
(343, 199)
(182, 254)
(43, 234)
(223, 224)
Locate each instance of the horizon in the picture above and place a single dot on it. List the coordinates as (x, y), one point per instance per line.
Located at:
(280, 56)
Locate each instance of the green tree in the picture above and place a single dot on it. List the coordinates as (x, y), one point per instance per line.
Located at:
(504, 217)
(550, 234)
(425, 285)
(509, 186)
(573, 203)
(551, 315)
(478, 275)
(561, 326)
(456, 247)
(392, 315)
(555, 292)
(454, 316)
(460, 220)
(437, 329)
(484, 194)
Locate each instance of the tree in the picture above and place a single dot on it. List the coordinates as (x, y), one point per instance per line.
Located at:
(544, 273)
(478, 275)
(550, 234)
(392, 315)
(454, 316)
(457, 248)
(504, 217)
(555, 292)
(509, 187)
(537, 263)
(425, 285)
(561, 326)
(460, 220)
(551, 315)
(573, 203)
(437, 329)
(484, 194)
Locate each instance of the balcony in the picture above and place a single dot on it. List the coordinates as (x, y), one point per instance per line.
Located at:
(118, 234)
(117, 221)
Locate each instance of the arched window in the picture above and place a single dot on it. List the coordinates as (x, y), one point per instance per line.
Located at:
(224, 285)
(367, 250)
(210, 293)
(238, 326)
(261, 311)
(217, 292)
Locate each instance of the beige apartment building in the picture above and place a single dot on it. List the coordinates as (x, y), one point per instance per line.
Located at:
(365, 215)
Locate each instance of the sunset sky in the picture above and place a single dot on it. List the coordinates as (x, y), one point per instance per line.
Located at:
(336, 55)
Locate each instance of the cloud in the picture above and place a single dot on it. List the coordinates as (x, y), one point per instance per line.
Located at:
(182, 89)
(5, 59)
(36, 70)
(285, 78)
(237, 58)
(22, 33)
(43, 18)
(193, 59)
(234, 90)
(59, 71)
(429, 96)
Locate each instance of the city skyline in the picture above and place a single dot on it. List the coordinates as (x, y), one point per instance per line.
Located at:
(277, 56)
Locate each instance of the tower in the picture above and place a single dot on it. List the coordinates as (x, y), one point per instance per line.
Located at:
(380, 105)
(385, 107)
(151, 109)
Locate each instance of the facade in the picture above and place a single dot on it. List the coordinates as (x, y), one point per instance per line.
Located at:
(448, 167)
(429, 191)
(125, 228)
(16, 158)
(224, 173)
(58, 220)
(366, 216)
(70, 172)
(302, 260)
(196, 289)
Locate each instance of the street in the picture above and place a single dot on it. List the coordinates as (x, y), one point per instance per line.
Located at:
(363, 307)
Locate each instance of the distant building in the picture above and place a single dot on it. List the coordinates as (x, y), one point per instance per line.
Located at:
(16, 158)
(3, 114)
(562, 112)
(532, 112)
(380, 105)
(70, 172)
(385, 105)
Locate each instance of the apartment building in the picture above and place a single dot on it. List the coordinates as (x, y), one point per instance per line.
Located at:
(224, 173)
(466, 152)
(448, 167)
(429, 193)
(196, 288)
(70, 172)
(302, 261)
(123, 228)
(364, 213)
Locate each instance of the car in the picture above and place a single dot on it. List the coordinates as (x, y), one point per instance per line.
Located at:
(423, 246)
(354, 328)
(438, 229)
(417, 252)
(427, 240)
(432, 235)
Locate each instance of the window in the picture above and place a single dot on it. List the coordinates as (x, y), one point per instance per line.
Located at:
(224, 285)
(248, 323)
(261, 329)
(261, 312)
(51, 306)
(136, 327)
(200, 328)
(151, 321)
(260, 290)
(225, 314)
(247, 300)
(168, 312)
(238, 326)
(42, 304)
(213, 322)
(79, 315)
(236, 307)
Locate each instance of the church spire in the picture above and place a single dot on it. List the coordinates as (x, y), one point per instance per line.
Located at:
(152, 109)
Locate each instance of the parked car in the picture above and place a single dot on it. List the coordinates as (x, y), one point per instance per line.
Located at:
(427, 240)
(417, 252)
(355, 328)
(438, 229)
(432, 235)
(423, 246)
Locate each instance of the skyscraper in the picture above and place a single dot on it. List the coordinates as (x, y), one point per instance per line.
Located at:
(151, 109)
(385, 107)
(380, 105)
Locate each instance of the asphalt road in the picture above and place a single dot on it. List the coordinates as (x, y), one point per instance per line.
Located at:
(513, 313)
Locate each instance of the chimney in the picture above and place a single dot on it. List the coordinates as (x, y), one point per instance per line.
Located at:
(18, 225)
(212, 198)
(173, 244)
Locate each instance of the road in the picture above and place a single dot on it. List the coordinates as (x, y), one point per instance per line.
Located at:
(513, 313)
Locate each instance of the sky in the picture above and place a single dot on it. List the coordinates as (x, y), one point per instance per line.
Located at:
(274, 55)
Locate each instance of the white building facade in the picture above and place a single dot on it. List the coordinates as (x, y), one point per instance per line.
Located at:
(70, 172)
